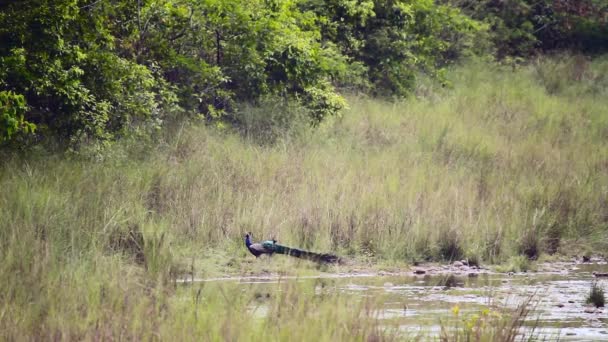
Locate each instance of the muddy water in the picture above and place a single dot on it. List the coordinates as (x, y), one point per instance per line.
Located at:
(416, 302)
(559, 310)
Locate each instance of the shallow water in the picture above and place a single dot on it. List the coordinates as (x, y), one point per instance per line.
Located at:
(416, 303)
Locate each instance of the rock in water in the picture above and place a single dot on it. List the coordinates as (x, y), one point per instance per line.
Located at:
(586, 258)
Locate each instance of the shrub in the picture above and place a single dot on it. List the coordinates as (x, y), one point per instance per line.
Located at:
(529, 244)
(596, 296)
(450, 246)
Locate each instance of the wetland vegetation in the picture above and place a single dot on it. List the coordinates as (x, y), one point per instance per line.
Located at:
(91, 248)
(140, 141)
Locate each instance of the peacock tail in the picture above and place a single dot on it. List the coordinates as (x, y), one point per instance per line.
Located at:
(299, 253)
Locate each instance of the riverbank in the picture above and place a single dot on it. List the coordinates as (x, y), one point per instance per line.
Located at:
(489, 171)
(273, 269)
(448, 300)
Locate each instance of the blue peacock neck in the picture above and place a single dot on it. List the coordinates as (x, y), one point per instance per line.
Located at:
(247, 241)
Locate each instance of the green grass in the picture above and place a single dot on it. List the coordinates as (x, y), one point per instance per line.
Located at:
(506, 163)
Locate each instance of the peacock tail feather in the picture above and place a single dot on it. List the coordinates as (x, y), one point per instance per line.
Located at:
(299, 253)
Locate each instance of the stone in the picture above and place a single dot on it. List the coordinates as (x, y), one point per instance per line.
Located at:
(560, 305)
(586, 258)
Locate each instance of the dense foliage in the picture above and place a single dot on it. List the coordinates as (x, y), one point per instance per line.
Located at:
(390, 41)
(85, 71)
(523, 27)
(12, 109)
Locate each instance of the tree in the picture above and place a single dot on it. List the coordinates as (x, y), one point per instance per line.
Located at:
(12, 122)
(394, 40)
(523, 27)
(59, 56)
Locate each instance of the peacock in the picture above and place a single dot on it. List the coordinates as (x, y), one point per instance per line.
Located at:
(271, 246)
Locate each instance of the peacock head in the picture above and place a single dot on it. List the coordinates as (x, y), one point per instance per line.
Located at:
(247, 239)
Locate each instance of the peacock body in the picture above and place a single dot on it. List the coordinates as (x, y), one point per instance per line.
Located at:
(271, 246)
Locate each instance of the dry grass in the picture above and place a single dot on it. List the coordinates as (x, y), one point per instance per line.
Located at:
(491, 169)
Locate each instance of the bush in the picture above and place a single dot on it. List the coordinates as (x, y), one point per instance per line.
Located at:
(450, 246)
(529, 244)
(596, 296)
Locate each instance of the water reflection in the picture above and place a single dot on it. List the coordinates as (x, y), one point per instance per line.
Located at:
(416, 303)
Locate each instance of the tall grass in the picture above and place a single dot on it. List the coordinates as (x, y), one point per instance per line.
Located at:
(505, 163)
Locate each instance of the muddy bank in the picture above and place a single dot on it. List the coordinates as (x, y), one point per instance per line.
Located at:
(460, 268)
